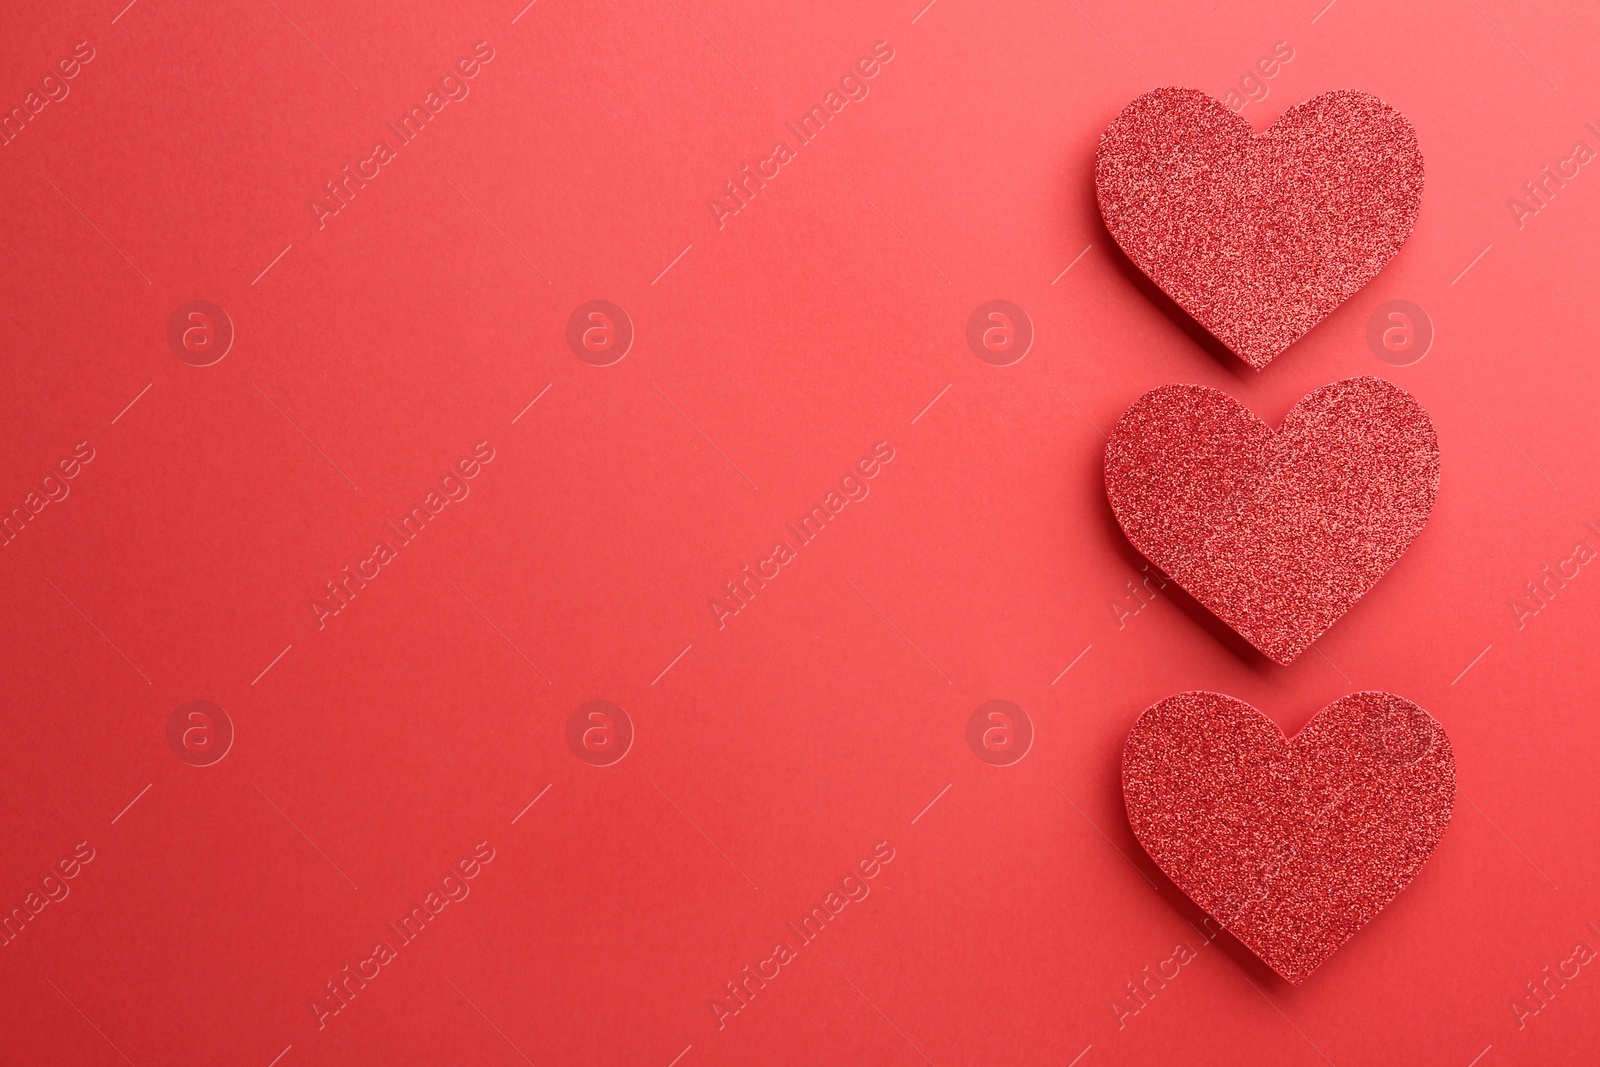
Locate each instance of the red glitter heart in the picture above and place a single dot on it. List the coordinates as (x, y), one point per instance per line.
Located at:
(1259, 236)
(1276, 532)
(1292, 845)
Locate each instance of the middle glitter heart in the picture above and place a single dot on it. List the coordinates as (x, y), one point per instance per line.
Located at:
(1276, 532)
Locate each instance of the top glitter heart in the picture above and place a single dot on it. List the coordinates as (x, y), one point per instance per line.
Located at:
(1259, 236)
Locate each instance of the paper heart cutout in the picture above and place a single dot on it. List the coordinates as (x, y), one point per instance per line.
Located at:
(1276, 532)
(1292, 845)
(1259, 236)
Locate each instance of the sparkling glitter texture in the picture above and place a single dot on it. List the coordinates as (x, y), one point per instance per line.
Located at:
(1293, 845)
(1258, 237)
(1276, 532)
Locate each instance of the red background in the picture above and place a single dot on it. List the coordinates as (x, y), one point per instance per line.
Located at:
(769, 357)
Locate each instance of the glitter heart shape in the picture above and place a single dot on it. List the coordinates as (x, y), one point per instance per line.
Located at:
(1259, 236)
(1292, 845)
(1276, 532)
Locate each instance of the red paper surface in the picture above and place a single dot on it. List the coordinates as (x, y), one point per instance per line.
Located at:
(830, 723)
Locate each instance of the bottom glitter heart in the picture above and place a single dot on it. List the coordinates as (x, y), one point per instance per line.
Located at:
(1292, 845)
